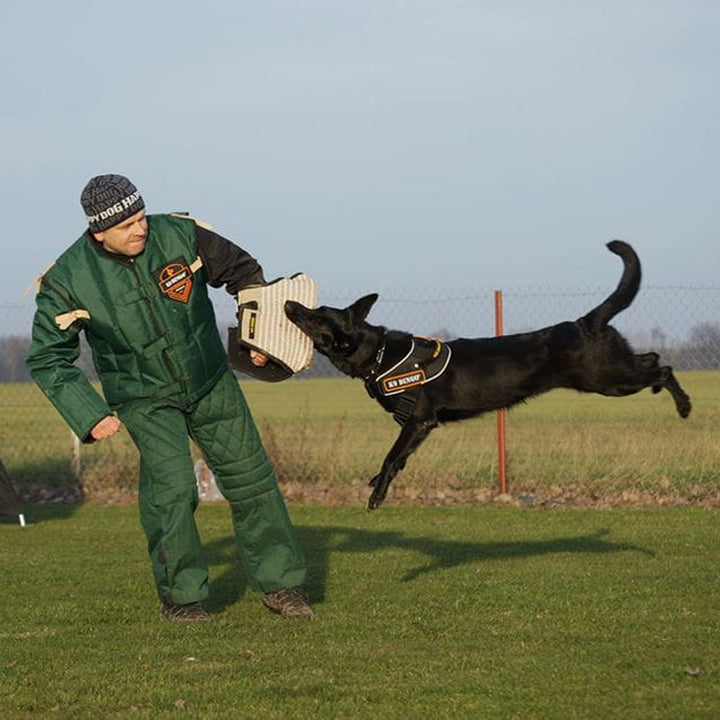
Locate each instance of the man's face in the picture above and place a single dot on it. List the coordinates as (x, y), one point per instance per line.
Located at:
(127, 237)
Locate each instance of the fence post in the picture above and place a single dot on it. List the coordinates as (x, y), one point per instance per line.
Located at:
(502, 462)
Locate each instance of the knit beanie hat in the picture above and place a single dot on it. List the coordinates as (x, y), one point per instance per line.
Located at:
(108, 200)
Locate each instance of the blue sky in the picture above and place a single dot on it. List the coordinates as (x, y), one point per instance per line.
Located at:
(376, 144)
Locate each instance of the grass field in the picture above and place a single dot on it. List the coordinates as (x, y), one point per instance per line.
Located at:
(462, 612)
(327, 438)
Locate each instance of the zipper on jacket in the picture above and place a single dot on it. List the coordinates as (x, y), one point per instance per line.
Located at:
(157, 326)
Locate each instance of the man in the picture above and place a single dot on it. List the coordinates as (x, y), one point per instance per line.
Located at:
(136, 285)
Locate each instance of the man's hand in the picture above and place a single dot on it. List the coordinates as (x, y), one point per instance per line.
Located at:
(258, 359)
(106, 428)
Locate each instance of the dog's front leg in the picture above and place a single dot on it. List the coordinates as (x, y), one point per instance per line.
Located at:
(414, 431)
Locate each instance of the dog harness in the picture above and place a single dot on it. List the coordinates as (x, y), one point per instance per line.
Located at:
(425, 361)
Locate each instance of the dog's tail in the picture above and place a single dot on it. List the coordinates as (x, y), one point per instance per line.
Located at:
(624, 293)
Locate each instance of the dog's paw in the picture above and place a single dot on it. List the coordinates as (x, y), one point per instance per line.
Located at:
(374, 502)
(378, 494)
(684, 407)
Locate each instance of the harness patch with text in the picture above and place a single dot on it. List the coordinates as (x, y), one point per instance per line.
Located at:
(176, 280)
(425, 361)
(398, 383)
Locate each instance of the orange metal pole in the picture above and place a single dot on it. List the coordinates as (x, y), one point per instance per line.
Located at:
(502, 459)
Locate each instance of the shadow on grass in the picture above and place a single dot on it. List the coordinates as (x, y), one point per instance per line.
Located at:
(231, 583)
(320, 543)
(36, 514)
(52, 472)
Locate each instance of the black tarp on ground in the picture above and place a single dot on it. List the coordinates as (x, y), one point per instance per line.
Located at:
(10, 503)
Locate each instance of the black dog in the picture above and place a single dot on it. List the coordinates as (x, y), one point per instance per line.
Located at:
(424, 382)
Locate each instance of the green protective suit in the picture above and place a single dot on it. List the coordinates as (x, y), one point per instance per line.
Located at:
(155, 344)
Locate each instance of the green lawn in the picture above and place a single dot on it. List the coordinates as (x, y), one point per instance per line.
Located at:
(464, 612)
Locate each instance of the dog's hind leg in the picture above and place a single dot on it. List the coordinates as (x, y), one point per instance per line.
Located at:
(413, 432)
(648, 360)
(645, 373)
(681, 398)
(665, 378)
(651, 361)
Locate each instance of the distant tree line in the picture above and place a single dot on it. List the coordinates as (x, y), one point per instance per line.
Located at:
(700, 352)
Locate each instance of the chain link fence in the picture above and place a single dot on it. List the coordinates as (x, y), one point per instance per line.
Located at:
(681, 323)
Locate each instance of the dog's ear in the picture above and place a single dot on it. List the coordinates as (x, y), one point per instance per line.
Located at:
(360, 308)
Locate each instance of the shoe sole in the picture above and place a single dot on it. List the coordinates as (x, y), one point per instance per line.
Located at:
(290, 615)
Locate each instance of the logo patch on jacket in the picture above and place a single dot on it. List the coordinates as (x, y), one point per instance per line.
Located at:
(175, 280)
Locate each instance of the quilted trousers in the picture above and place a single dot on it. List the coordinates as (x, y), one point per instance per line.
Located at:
(223, 428)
